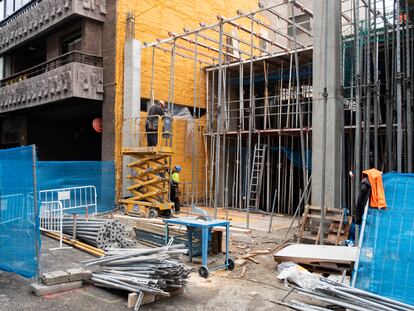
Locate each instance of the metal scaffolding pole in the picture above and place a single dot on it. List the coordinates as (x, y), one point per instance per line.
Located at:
(194, 125)
(368, 85)
(357, 147)
(251, 115)
(298, 104)
(325, 103)
(387, 101)
(408, 86)
(376, 89)
(152, 75)
(398, 77)
(171, 82)
(219, 117)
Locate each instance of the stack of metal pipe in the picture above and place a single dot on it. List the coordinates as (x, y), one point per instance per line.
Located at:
(337, 295)
(101, 233)
(153, 271)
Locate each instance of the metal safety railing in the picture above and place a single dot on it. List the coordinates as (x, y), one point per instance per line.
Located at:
(55, 203)
(74, 200)
(51, 219)
(137, 133)
(71, 57)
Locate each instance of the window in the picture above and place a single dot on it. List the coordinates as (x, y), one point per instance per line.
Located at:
(1, 9)
(72, 42)
(1, 68)
(302, 20)
(9, 7)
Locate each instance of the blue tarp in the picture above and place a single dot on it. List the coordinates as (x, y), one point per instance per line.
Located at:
(387, 257)
(19, 222)
(66, 174)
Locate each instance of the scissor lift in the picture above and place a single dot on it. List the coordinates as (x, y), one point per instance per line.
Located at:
(151, 184)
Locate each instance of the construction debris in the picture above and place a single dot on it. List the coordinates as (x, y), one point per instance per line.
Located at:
(155, 271)
(100, 233)
(331, 293)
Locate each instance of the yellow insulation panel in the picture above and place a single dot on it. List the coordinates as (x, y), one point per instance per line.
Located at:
(155, 19)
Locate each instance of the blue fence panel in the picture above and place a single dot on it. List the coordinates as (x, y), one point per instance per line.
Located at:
(67, 174)
(19, 222)
(387, 256)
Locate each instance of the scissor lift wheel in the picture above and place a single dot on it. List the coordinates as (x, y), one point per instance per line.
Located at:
(152, 213)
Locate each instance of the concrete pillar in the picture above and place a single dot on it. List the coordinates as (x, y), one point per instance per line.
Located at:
(327, 55)
(132, 104)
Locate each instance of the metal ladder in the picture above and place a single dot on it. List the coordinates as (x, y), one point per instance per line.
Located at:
(256, 176)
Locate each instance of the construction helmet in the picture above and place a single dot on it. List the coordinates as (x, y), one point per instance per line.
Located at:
(178, 168)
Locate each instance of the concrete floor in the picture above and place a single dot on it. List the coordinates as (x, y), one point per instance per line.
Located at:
(224, 290)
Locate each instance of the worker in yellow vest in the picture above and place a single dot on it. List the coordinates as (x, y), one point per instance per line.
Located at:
(175, 192)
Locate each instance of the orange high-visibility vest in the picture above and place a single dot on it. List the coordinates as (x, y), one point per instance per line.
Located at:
(377, 199)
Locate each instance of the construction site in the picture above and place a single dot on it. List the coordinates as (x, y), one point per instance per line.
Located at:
(187, 155)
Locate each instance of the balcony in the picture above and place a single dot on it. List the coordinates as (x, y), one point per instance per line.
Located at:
(39, 16)
(72, 75)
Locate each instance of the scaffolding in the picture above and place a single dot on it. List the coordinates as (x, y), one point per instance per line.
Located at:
(259, 92)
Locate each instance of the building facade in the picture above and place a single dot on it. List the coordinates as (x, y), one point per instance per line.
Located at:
(62, 72)
(52, 86)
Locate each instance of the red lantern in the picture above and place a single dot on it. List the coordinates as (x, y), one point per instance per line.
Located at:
(97, 125)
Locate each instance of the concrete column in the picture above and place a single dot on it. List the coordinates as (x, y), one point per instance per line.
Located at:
(327, 54)
(132, 104)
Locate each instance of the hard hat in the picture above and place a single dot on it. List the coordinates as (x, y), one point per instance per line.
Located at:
(178, 168)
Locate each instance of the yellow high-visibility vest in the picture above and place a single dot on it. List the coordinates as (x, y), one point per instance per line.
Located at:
(175, 177)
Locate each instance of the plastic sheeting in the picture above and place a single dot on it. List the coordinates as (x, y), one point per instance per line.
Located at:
(19, 225)
(387, 257)
(56, 175)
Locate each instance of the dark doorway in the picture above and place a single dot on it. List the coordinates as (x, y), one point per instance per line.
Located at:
(62, 132)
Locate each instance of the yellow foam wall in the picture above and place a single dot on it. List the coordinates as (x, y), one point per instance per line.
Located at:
(154, 19)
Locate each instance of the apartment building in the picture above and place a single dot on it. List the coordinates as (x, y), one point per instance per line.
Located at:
(52, 77)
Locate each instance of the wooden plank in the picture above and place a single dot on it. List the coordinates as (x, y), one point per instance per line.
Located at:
(133, 297)
(306, 253)
(327, 209)
(172, 292)
(338, 236)
(304, 222)
(327, 218)
(240, 262)
(253, 260)
(261, 252)
(243, 272)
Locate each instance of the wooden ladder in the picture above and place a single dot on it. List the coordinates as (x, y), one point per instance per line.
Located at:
(336, 232)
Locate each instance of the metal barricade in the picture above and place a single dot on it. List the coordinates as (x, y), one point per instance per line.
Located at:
(51, 219)
(74, 200)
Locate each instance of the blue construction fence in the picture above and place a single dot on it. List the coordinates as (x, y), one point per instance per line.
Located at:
(19, 222)
(386, 264)
(68, 174)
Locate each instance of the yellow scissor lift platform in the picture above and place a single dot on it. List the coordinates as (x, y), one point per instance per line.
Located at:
(150, 179)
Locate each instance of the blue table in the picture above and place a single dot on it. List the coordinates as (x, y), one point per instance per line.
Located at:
(205, 226)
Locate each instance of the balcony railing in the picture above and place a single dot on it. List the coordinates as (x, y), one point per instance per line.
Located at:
(73, 75)
(39, 16)
(71, 57)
